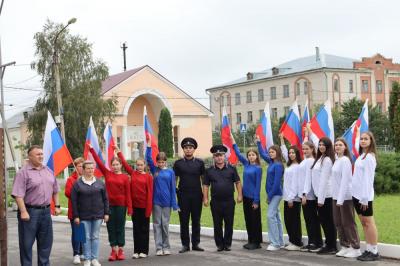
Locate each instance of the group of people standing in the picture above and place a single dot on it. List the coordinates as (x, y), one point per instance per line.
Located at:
(320, 180)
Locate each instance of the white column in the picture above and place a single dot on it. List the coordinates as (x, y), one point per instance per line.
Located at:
(124, 143)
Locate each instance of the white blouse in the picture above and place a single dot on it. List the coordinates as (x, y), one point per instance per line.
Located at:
(341, 179)
(321, 179)
(290, 183)
(305, 179)
(363, 178)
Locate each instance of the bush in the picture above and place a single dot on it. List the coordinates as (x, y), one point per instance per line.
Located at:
(387, 178)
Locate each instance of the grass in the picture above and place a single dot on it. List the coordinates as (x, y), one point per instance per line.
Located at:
(386, 213)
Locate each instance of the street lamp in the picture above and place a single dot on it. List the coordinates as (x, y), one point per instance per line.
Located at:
(57, 78)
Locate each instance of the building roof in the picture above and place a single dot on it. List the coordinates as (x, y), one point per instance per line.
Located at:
(298, 65)
(15, 120)
(116, 79)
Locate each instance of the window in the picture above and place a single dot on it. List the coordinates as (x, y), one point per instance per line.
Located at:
(274, 113)
(260, 114)
(260, 95)
(299, 106)
(379, 86)
(249, 117)
(305, 87)
(230, 118)
(237, 98)
(273, 93)
(336, 84)
(298, 88)
(248, 97)
(365, 86)
(238, 118)
(351, 89)
(286, 109)
(285, 91)
(336, 105)
(380, 106)
(222, 99)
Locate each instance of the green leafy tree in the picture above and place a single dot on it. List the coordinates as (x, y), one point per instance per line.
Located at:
(81, 77)
(394, 114)
(165, 140)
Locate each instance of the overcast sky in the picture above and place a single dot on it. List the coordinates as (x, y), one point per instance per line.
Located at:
(198, 44)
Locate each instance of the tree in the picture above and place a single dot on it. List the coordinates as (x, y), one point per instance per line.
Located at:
(394, 114)
(81, 77)
(165, 140)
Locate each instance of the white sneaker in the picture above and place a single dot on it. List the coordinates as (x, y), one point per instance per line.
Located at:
(272, 248)
(135, 256)
(352, 253)
(142, 255)
(76, 260)
(166, 252)
(95, 262)
(159, 252)
(342, 252)
(292, 247)
(86, 263)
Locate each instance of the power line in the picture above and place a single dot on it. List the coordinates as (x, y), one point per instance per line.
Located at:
(24, 89)
(22, 81)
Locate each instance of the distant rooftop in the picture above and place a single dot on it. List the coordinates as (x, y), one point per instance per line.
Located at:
(15, 120)
(116, 79)
(298, 65)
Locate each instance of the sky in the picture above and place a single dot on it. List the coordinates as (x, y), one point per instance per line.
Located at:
(197, 44)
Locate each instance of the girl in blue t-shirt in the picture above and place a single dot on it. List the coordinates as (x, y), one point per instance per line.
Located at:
(164, 198)
(252, 174)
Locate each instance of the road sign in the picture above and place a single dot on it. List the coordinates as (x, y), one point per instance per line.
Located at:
(243, 128)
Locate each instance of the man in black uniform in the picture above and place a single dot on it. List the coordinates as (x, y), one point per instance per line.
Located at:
(190, 171)
(222, 177)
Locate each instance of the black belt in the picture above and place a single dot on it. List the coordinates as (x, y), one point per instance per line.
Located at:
(37, 206)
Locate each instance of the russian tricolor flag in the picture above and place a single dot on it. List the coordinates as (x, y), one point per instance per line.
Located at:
(291, 128)
(305, 120)
(109, 145)
(91, 139)
(264, 129)
(148, 131)
(226, 139)
(352, 135)
(55, 152)
(322, 123)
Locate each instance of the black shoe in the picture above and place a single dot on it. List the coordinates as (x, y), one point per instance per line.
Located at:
(247, 246)
(327, 251)
(314, 248)
(227, 248)
(184, 249)
(305, 248)
(369, 257)
(197, 248)
(253, 246)
(365, 253)
(219, 249)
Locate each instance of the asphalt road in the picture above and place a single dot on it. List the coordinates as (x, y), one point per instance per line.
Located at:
(62, 253)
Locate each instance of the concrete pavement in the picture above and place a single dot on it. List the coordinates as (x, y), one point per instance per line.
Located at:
(61, 252)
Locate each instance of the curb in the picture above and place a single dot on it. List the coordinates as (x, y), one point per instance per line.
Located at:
(385, 250)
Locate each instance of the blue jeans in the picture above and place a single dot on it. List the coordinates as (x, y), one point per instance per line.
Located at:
(91, 246)
(275, 229)
(39, 227)
(76, 245)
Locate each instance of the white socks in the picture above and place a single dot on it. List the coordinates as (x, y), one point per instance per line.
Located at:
(372, 248)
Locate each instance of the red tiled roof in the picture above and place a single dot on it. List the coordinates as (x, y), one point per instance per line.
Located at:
(116, 79)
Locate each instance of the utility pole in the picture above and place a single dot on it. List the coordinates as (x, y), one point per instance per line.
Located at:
(124, 47)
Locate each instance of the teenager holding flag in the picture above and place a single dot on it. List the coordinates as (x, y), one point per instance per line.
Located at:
(119, 195)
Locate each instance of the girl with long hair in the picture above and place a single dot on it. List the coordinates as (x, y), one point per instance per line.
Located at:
(273, 188)
(363, 194)
(343, 211)
(252, 174)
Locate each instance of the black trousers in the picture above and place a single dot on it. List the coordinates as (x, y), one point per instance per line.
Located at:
(141, 227)
(252, 218)
(223, 212)
(293, 222)
(325, 216)
(310, 213)
(190, 204)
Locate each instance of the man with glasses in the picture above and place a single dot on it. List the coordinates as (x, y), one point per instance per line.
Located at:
(222, 178)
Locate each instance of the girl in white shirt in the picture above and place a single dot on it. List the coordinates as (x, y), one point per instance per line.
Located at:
(309, 201)
(363, 194)
(343, 211)
(292, 202)
(321, 171)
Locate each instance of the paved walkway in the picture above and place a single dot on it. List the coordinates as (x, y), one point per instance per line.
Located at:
(61, 253)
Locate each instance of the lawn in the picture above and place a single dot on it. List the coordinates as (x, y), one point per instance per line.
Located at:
(386, 213)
